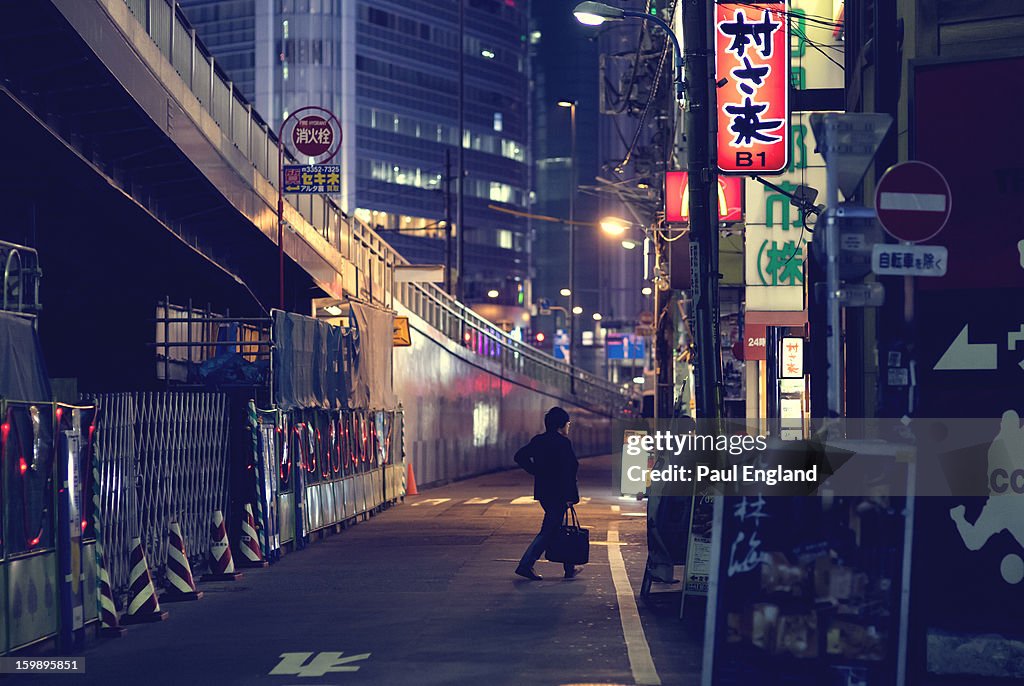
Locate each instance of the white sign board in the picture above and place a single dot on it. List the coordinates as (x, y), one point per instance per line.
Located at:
(909, 260)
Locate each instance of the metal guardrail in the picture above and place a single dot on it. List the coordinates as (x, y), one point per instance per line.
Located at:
(19, 267)
(374, 259)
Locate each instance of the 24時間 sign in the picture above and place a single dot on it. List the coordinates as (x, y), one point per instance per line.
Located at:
(752, 56)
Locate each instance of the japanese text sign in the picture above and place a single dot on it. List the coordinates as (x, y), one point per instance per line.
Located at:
(909, 260)
(752, 57)
(312, 178)
(677, 198)
(313, 136)
(792, 358)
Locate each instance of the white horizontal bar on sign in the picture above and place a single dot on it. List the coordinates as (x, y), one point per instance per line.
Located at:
(419, 273)
(917, 202)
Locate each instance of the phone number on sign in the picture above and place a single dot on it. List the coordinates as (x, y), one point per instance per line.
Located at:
(10, 665)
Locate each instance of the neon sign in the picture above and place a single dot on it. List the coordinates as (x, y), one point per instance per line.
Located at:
(752, 58)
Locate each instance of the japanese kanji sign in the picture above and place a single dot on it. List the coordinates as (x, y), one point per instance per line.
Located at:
(313, 136)
(791, 358)
(312, 178)
(677, 205)
(752, 57)
(909, 260)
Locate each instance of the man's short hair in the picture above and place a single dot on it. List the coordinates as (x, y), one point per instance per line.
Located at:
(555, 419)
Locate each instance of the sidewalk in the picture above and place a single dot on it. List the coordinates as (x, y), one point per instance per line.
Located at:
(424, 594)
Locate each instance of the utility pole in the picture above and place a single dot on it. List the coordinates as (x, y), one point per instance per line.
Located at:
(460, 210)
(448, 221)
(703, 180)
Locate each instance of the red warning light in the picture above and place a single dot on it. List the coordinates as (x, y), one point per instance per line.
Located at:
(540, 336)
(83, 526)
(34, 542)
(22, 465)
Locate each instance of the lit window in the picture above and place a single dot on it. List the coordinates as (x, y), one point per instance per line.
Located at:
(497, 121)
(505, 239)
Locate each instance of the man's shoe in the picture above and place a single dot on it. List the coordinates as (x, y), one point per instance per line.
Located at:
(572, 572)
(528, 573)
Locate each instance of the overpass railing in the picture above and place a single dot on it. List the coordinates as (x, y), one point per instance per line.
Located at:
(353, 240)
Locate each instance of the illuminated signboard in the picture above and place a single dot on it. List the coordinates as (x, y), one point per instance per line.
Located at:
(752, 57)
(677, 200)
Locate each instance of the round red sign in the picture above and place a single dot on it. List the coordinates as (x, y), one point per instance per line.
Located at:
(913, 201)
(313, 136)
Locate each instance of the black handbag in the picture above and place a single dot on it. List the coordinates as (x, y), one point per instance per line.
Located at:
(571, 545)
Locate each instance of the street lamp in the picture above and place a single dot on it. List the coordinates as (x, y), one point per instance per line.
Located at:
(571, 105)
(493, 293)
(613, 226)
(565, 292)
(597, 13)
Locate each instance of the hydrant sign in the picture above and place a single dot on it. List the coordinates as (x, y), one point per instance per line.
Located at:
(313, 136)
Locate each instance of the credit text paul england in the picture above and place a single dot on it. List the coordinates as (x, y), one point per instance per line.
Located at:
(735, 473)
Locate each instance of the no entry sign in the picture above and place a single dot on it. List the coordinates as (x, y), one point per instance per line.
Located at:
(913, 201)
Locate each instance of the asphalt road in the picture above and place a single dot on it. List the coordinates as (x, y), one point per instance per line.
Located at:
(424, 594)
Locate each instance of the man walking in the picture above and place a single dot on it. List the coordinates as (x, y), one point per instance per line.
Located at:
(549, 457)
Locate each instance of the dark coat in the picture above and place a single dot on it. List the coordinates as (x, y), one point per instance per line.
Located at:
(550, 458)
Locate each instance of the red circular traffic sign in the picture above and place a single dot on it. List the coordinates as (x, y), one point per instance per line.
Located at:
(913, 201)
(313, 136)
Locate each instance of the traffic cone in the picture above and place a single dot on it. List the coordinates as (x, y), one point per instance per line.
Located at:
(222, 568)
(250, 541)
(181, 585)
(410, 482)
(142, 603)
(109, 626)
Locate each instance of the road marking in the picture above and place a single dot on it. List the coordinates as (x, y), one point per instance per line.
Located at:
(523, 500)
(616, 508)
(294, 664)
(479, 501)
(634, 514)
(431, 501)
(640, 660)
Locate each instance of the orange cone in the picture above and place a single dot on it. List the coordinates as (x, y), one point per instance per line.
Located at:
(410, 482)
(142, 603)
(181, 585)
(222, 567)
(252, 556)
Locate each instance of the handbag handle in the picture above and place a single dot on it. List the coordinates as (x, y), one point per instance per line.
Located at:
(575, 522)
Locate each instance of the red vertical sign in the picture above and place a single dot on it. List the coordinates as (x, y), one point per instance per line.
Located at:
(677, 190)
(752, 56)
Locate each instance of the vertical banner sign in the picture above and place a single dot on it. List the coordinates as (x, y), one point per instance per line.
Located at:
(677, 194)
(752, 58)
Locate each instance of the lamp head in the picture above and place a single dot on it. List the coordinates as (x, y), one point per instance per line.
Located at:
(596, 13)
(566, 103)
(613, 226)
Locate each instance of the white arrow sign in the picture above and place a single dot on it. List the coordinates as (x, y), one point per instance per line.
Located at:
(963, 355)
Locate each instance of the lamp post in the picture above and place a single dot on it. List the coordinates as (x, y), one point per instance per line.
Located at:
(571, 105)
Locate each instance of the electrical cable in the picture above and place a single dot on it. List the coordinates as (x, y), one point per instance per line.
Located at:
(650, 97)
